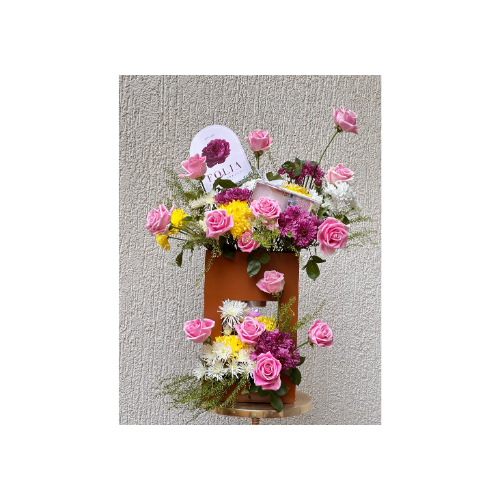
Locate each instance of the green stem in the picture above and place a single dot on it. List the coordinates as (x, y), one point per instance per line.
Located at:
(258, 160)
(327, 146)
(306, 342)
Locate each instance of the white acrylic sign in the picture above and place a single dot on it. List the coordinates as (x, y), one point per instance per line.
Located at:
(224, 154)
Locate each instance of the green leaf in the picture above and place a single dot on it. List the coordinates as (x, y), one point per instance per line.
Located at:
(253, 268)
(228, 251)
(190, 195)
(295, 376)
(288, 372)
(322, 211)
(315, 163)
(253, 388)
(252, 256)
(262, 393)
(276, 402)
(288, 165)
(188, 217)
(317, 259)
(271, 177)
(312, 269)
(302, 359)
(245, 391)
(282, 390)
(264, 258)
(224, 183)
(178, 260)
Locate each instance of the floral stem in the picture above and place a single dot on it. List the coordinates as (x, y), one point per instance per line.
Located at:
(306, 342)
(327, 146)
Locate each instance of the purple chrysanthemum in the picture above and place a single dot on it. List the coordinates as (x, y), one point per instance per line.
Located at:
(231, 195)
(302, 224)
(304, 232)
(280, 345)
(308, 170)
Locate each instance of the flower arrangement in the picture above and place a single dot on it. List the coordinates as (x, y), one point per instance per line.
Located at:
(301, 206)
(249, 357)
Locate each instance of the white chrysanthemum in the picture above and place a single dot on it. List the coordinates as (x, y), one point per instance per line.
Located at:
(200, 371)
(315, 195)
(223, 351)
(202, 224)
(248, 367)
(341, 191)
(243, 355)
(250, 185)
(208, 354)
(233, 312)
(204, 200)
(216, 371)
(234, 368)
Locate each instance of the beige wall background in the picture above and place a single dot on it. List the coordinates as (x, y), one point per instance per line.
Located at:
(159, 115)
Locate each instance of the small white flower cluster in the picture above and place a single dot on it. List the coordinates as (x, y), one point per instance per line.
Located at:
(218, 361)
(340, 192)
(204, 200)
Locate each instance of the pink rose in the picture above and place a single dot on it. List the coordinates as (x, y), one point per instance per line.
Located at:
(267, 372)
(250, 330)
(339, 173)
(266, 207)
(195, 167)
(320, 334)
(345, 119)
(332, 234)
(272, 282)
(158, 220)
(198, 331)
(259, 141)
(246, 242)
(218, 222)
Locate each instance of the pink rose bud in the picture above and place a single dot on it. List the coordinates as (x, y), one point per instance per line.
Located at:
(198, 331)
(267, 372)
(345, 119)
(158, 220)
(250, 330)
(272, 282)
(332, 234)
(259, 141)
(246, 242)
(218, 222)
(266, 207)
(339, 173)
(320, 334)
(195, 167)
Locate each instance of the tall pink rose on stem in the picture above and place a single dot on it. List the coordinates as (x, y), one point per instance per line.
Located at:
(345, 120)
(259, 141)
(195, 167)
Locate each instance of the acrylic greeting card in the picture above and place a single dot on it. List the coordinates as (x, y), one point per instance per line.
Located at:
(223, 152)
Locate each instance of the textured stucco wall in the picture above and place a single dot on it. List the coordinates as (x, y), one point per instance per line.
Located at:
(159, 115)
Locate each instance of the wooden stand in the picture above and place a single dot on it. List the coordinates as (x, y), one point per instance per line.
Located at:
(256, 411)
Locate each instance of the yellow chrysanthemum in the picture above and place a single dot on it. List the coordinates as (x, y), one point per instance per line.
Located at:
(176, 220)
(269, 322)
(296, 189)
(232, 340)
(162, 240)
(241, 216)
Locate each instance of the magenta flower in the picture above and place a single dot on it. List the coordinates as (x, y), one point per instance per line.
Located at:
(280, 345)
(233, 194)
(216, 151)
